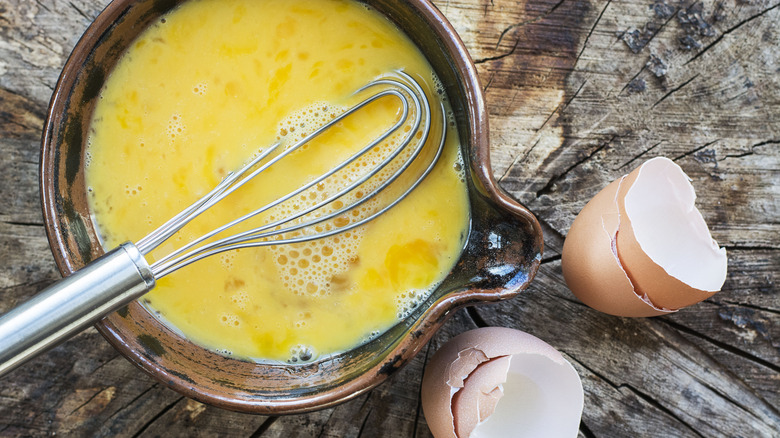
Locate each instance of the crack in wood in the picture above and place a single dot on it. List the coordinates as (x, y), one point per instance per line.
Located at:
(576, 93)
(695, 150)
(365, 400)
(568, 298)
(752, 149)
(156, 417)
(764, 143)
(497, 57)
(130, 403)
(476, 317)
(508, 28)
(265, 426)
(490, 81)
(663, 25)
(744, 408)
(750, 248)
(720, 344)
(554, 8)
(655, 403)
(515, 26)
(116, 356)
(728, 31)
(523, 23)
(365, 421)
(325, 424)
(519, 159)
(585, 44)
(541, 128)
(34, 284)
(632, 79)
(550, 259)
(80, 12)
(43, 5)
(748, 305)
(88, 400)
(674, 90)
(23, 224)
(585, 430)
(548, 187)
(743, 154)
(641, 154)
(419, 391)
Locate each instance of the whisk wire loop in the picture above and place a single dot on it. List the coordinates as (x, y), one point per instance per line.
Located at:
(414, 104)
(217, 197)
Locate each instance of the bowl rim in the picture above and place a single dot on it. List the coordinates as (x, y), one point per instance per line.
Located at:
(422, 330)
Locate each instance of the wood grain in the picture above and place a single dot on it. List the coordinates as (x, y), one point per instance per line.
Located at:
(579, 92)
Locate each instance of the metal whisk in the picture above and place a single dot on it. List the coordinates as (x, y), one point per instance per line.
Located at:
(123, 274)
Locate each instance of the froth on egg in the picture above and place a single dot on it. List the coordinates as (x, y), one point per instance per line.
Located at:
(318, 267)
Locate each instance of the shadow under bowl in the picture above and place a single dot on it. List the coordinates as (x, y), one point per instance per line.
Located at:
(502, 253)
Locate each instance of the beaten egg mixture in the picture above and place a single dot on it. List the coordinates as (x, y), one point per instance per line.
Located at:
(211, 85)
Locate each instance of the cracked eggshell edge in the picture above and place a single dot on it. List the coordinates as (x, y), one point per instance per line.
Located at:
(450, 367)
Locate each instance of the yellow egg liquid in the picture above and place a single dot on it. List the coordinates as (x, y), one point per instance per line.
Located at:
(214, 83)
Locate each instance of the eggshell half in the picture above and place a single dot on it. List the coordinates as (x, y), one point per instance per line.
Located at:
(498, 382)
(663, 243)
(590, 262)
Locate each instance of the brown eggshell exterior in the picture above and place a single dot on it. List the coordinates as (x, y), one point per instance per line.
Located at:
(648, 277)
(480, 395)
(589, 266)
(458, 358)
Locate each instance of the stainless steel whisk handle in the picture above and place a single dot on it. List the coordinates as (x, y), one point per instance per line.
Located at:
(72, 304)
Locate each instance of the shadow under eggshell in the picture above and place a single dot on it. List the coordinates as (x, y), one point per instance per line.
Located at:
(591, 268)
(648, 277)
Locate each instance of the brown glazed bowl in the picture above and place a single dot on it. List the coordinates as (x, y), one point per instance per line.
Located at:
(502, 253)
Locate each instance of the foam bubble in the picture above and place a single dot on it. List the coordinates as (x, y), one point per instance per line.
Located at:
(240, 299)
(407, 301)
(200, 88)
(371, 336)
(230, 320)
(176, 127)
(301, 353)
(133, 190)
(226, 259)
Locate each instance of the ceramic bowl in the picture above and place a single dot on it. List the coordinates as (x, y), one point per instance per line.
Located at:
(502, 253)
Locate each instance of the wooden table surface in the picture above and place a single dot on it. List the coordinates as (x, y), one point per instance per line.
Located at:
(579, 93)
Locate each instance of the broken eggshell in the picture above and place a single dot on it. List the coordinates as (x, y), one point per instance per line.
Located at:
(662, 255)
(590, 261)
(498, 382)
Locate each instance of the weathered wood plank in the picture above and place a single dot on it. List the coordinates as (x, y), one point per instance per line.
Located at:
(579, 93)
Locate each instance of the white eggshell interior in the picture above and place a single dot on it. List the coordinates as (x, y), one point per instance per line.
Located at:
(542, 399)
(670, 229)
